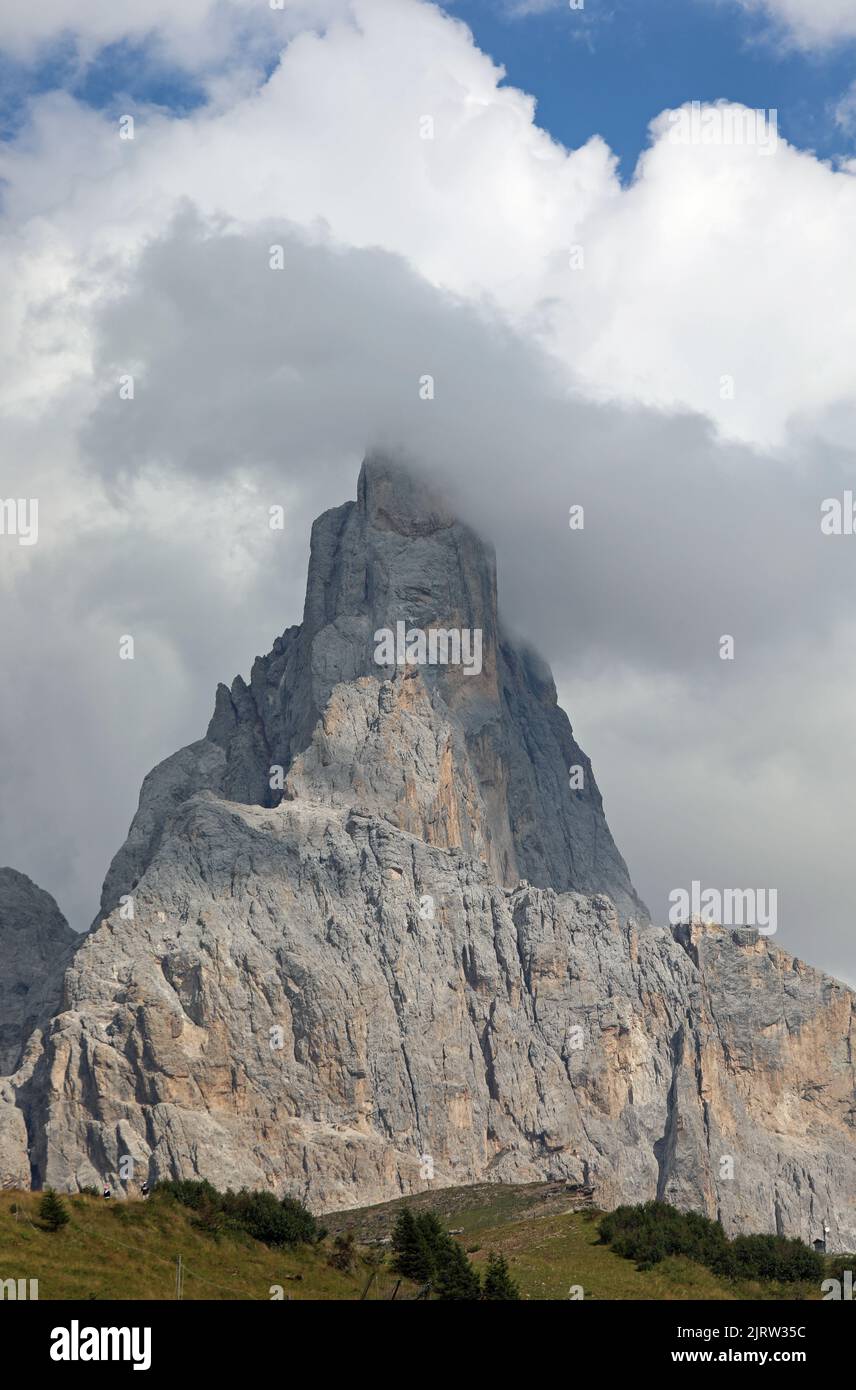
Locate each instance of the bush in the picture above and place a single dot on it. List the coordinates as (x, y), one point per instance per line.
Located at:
(772, 1258)
(190, 1193)
(209, 1217)
(52, 1211)
(837, 1266)
(275, 1221)
(343, 1254)
(647, 1233)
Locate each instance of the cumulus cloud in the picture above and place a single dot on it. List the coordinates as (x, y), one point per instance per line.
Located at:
(719, 281)
(554, 386)
(196, 34)
(845, 111)
(807, 23)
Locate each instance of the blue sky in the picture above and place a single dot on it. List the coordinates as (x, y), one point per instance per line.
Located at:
(118, 75)
(613, 66)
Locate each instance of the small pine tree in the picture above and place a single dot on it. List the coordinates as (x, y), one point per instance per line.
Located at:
(413, 1256)
(433, 1234)
(52, 1212)
(498, 1283)
(457, 1280)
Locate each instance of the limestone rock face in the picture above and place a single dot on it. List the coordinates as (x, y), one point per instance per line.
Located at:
(418, 959)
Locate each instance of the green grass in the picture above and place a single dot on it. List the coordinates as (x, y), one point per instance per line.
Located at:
(552, 1245)
(128, 1250)
(548, 1255)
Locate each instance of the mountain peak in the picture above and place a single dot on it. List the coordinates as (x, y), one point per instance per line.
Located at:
(395, 496)
(401, 615)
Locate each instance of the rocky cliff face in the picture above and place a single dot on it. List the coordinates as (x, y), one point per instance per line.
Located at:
(413, 956)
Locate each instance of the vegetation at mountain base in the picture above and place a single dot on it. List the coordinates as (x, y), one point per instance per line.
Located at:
(489, 1242)
(276, 1221)
(650, 1231)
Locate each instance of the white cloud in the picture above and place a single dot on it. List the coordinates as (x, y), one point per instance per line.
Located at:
(845, 111)
(718, 262)
(195, 34)
(808, 23)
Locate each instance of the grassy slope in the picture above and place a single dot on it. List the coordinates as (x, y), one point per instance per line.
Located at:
(550, 1246)
(127, 1250)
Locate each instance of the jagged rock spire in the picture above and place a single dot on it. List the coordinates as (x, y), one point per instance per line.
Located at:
(498, 784)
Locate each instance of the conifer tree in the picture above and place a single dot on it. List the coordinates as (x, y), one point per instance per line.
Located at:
(457, 1280)
(52, 1211)
(413, 1257)
(498, 1283)
(433, 1236)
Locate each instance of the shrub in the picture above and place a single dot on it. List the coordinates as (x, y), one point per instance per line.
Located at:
(283, 1221)
(210, 1217)
(343, 1255)
(647, 1233)
(275, 1221)
(838, 1265)
(190, 1192)
(771, 1258)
